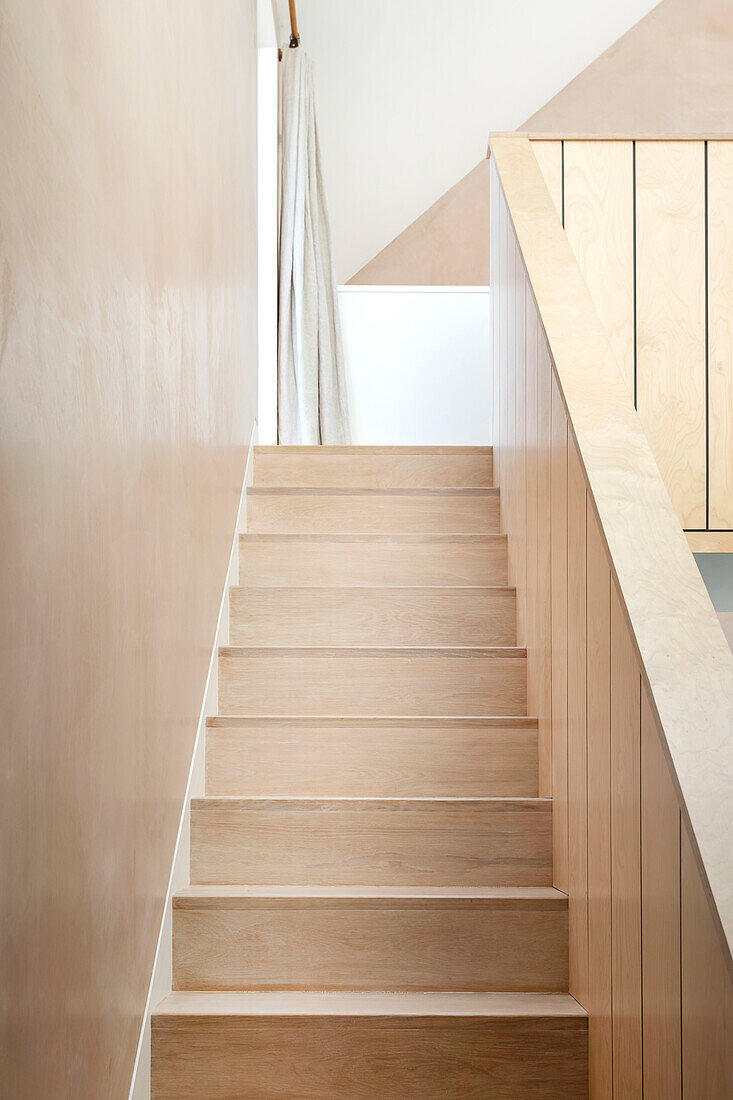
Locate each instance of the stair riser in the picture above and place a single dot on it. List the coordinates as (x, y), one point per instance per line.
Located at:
(370, 1059)
(372, 471)
(385, 562)
(499, 845)
(305, 513)
(371, 685)
(377, 761)
(328, 617)
(470, 947)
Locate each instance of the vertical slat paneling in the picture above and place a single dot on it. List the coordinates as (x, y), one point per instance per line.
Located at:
(599, 222)
(625, 858)
(559, 637)
(670, 302)
(577, 746)
(544, 568)
(508, 428)
(519, 431)
(531, 511)
(549, 157)
(707, 993)
(720, 322)
(599, 813)
(660, 895)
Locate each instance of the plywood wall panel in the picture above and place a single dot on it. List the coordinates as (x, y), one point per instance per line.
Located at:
(577, 729)
(707, 992)
(720, 322)
(625, 857)
(128, 383)
(559, 636)
(599, 1003)
(549, 157)
(660, 887)
(670, 303)
(543, 639)
(599, 222)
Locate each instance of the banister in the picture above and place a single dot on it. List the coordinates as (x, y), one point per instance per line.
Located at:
(686, 663)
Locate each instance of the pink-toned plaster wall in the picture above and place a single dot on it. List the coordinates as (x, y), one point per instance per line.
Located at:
(672, 72)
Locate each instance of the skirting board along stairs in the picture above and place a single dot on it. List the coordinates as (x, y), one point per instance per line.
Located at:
(371, 910)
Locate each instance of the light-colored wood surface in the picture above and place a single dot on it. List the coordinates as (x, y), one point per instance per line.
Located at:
(559, 636)
(489, 842)
(577, 728)
(710, 542)
(670, 317)
(372, 616)
(317, 1046)
(364, 682)
(624, 681)
(409, 511)
(660, 913)
(720, 332)
(625, 858)
(377, 467)
(128, 392)
(599, 222)
(378, 559)
(412, 758)
(514, 941)
(549, 157)
(598, 641)
(707, 992)
(686, 661)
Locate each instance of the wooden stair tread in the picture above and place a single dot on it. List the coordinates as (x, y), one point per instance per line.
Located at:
(374, 651)
(408, 537)
(488, 721)
(371, 804)
(397, 1006)
(232, 897)
(366, 491)
(361, 449)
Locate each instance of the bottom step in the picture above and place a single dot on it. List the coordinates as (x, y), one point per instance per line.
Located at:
(273, 1046)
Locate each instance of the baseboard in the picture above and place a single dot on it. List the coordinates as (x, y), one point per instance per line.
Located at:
(161, 978)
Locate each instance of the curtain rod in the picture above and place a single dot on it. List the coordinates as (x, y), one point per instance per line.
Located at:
(294, 35)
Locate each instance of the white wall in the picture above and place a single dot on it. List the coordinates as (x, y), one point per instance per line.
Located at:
(408, 91)
(418, 364)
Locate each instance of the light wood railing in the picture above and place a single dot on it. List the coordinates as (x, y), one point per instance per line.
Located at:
(629, 671)
(650, 222)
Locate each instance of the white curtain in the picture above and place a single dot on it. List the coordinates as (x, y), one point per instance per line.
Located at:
(311, 391)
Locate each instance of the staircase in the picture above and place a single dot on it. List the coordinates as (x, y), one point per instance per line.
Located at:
(371, 911)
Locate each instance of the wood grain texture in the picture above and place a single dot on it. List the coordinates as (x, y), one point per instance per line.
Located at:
(710, 542)
(549, 156)
(720, 332)
(380, 560)
(707, 991)
(625, 858)
(128, 393)
(373, 467)
(599, 222)
(437, 1047)
(660, 912)
(577, 728)
(598, 637)
(559, 636)
(372, 616)
(417, 511)
(511, 941)
(687, 662)
(485, 842)
(670, 305)
(364, 682)
(412, 758)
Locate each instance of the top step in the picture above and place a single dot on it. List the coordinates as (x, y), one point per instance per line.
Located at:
(373, 467)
